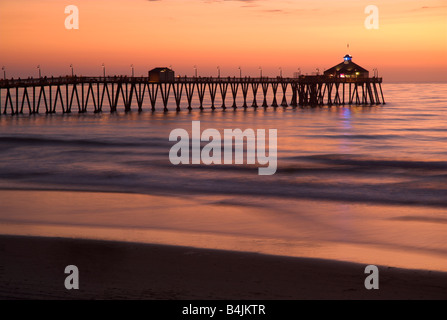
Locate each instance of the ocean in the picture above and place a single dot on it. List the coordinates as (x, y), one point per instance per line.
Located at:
(357, 183)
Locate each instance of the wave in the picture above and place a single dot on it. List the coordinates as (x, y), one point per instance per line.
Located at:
(357, 136)
(45, 141)
(234, 181)
(421, 129)
(357, 161)
(421, 219)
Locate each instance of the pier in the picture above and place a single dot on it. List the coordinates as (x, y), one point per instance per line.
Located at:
(72, 93)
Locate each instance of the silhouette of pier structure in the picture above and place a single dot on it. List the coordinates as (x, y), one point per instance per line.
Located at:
(67, 93)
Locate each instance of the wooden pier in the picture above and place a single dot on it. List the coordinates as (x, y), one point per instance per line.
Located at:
(66, 93)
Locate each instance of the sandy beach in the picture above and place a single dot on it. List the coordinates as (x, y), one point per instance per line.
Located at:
(172, 248)
(33, 268)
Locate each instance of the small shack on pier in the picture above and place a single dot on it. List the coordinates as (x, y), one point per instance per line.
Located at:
(347, 69)
(161, 75)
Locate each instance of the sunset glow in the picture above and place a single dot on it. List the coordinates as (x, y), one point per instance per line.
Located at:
(410, 44)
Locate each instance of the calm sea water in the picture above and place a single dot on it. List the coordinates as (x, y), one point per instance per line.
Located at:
(373, 177)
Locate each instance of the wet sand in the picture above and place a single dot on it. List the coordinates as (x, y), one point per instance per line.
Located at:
(33, 268)
(397, 236)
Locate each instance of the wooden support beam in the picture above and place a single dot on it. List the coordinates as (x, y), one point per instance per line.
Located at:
(25, 94)
(329, 93)
(376, 93)
(244, 87)
(223, 91)
(313, 94)
(212, 86)
(152, 89)
(275, 89)
(293, 101)
(363, 93)
(17, 100)
(140, 95)
(98, 95)
(42, 92)
(105, 88)
(369, 93)
(265, 88)
(113, 107)
(67, 103)
(165, 88)
(8, 98)
(178, 90)
(189, 87)
(83, 106)
(321, 91)
(381, 92)
(337, 100)
(129, 96)
(301, 94)
(284, 85)
(234, 87)
(50, 99)
(351, 94)
(201, 86)
(34, 99)
(357, 98)
(73, 92)
(58, 94)
(254, 87)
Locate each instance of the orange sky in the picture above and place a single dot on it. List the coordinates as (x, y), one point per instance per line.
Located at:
(410, 44)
